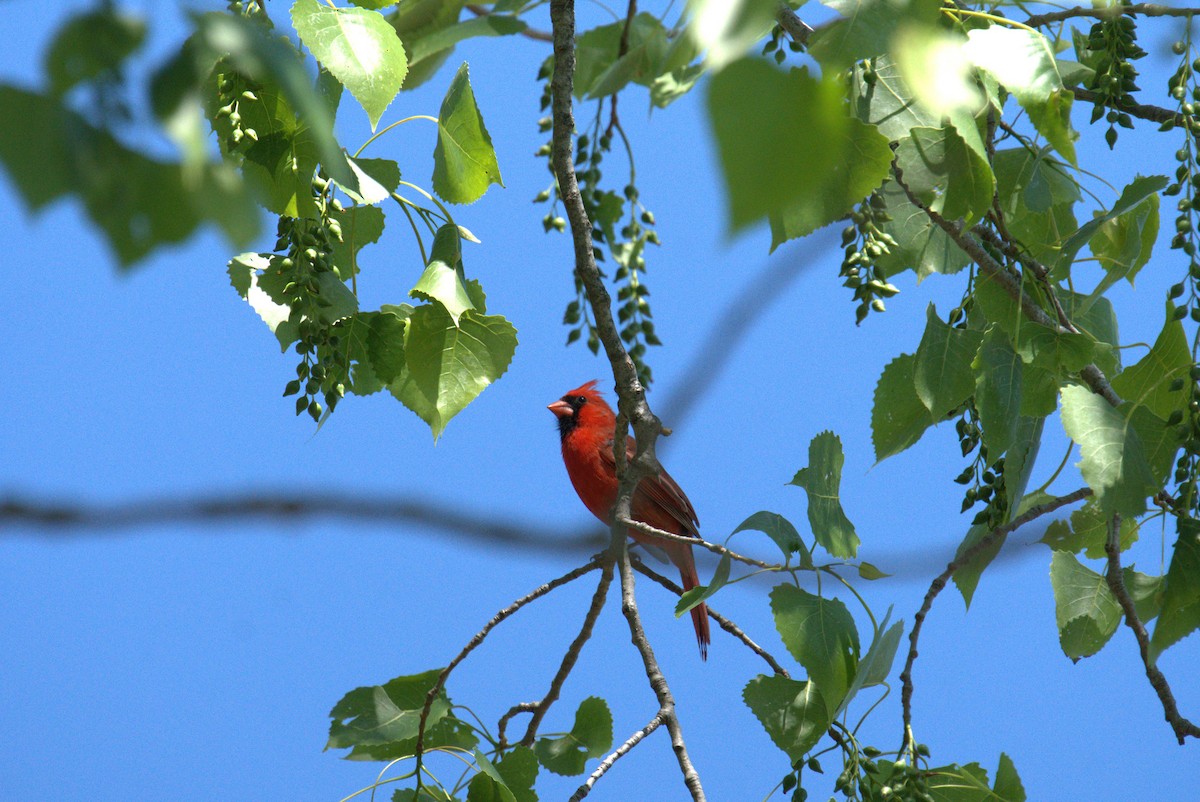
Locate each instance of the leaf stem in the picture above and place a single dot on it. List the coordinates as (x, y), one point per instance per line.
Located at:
(384, 130)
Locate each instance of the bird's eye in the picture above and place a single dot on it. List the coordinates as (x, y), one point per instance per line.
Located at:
(581, 400)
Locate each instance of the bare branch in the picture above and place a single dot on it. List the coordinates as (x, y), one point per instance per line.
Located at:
(540, 709)
(1116, 583)
(528, 33)
(723, 622)
(620, 751)
(66, 519)
(570, 576)
(658, 682)
(1110, 12)
(1091, 375)
(966, 558)
(695, 541)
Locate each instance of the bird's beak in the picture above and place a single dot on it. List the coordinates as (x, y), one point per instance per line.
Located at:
(561, 409)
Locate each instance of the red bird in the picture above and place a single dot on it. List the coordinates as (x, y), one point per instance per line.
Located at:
(586, 425)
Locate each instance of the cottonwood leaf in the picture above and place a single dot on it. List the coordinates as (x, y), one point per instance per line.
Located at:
(1135, 194)
(780, 530)
(898, 418)
(358, 47)
(946, 174)
(998, 388)
(943, 375)
(1180, 614)
(1114, 462)
(791, 711)
(387, 713)
(695, 596)
(821, 635)
(1085, 609)
(591, 736)
(821, 481)
(464, 161)
(1148, 381)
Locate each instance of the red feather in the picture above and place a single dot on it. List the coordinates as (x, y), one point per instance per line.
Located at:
(587, 426)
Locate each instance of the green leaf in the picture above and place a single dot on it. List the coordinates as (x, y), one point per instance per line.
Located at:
(441, 40)
(937, 77)
(998, 377)
(358, 47)
(91, 44)
(464, 160)
(448, 365)
(1114, 462)
(1148, 382)
(966, 578)
(646, 47)
(780, 530)
(1124, 244)
(361, 225)
(519, 768)
(808, 159)
(1037, 196)
(244, 271)
(821, 635)
(866, 29)
(1087, 532)
(1085, 609)
(701, 593)
(1134, 195)
(488, 785)
(375, 347)
(792, 712)
(877, 664)
(1023, 61)
(947, 175)
(386, 714)
(921, 245)
(1146, 592)
(943, 375)
(1180, 614)
(267, 59)
(726, 29)
(821, 481)
(1057, 351)
(440, 282)
(870, 572)
(1008, 785)
(590, 737)
(955, 783)
(898, 418)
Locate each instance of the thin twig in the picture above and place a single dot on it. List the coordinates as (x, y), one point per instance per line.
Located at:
(1154, 114)
(964, 559)
(1116, 583)
(1110, 12)
(647, 529)
(617, 754)
(723, 622)
(528, 33)
(1091, 375)
(570, 576)
(540, 709)
(658, 682)
(1009, 247)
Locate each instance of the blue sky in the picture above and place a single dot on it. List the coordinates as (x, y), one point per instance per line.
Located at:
(200, 662)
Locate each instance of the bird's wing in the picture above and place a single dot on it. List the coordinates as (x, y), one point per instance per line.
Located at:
(658, 500)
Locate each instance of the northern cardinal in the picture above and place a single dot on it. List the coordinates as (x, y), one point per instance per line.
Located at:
(586, 425)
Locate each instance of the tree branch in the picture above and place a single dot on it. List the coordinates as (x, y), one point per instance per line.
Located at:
(939, 584)
(1110, 12)
(540, 709)
(723, 622)
(619, 752)
(65, 519)
(695, 541)
(1154, 114)
(796, 28)
(570, 576)
(528, 33)
(1091, 375)
(1116, 583)
(658, 682)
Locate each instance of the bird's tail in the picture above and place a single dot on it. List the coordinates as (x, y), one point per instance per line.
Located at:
(691, 579)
